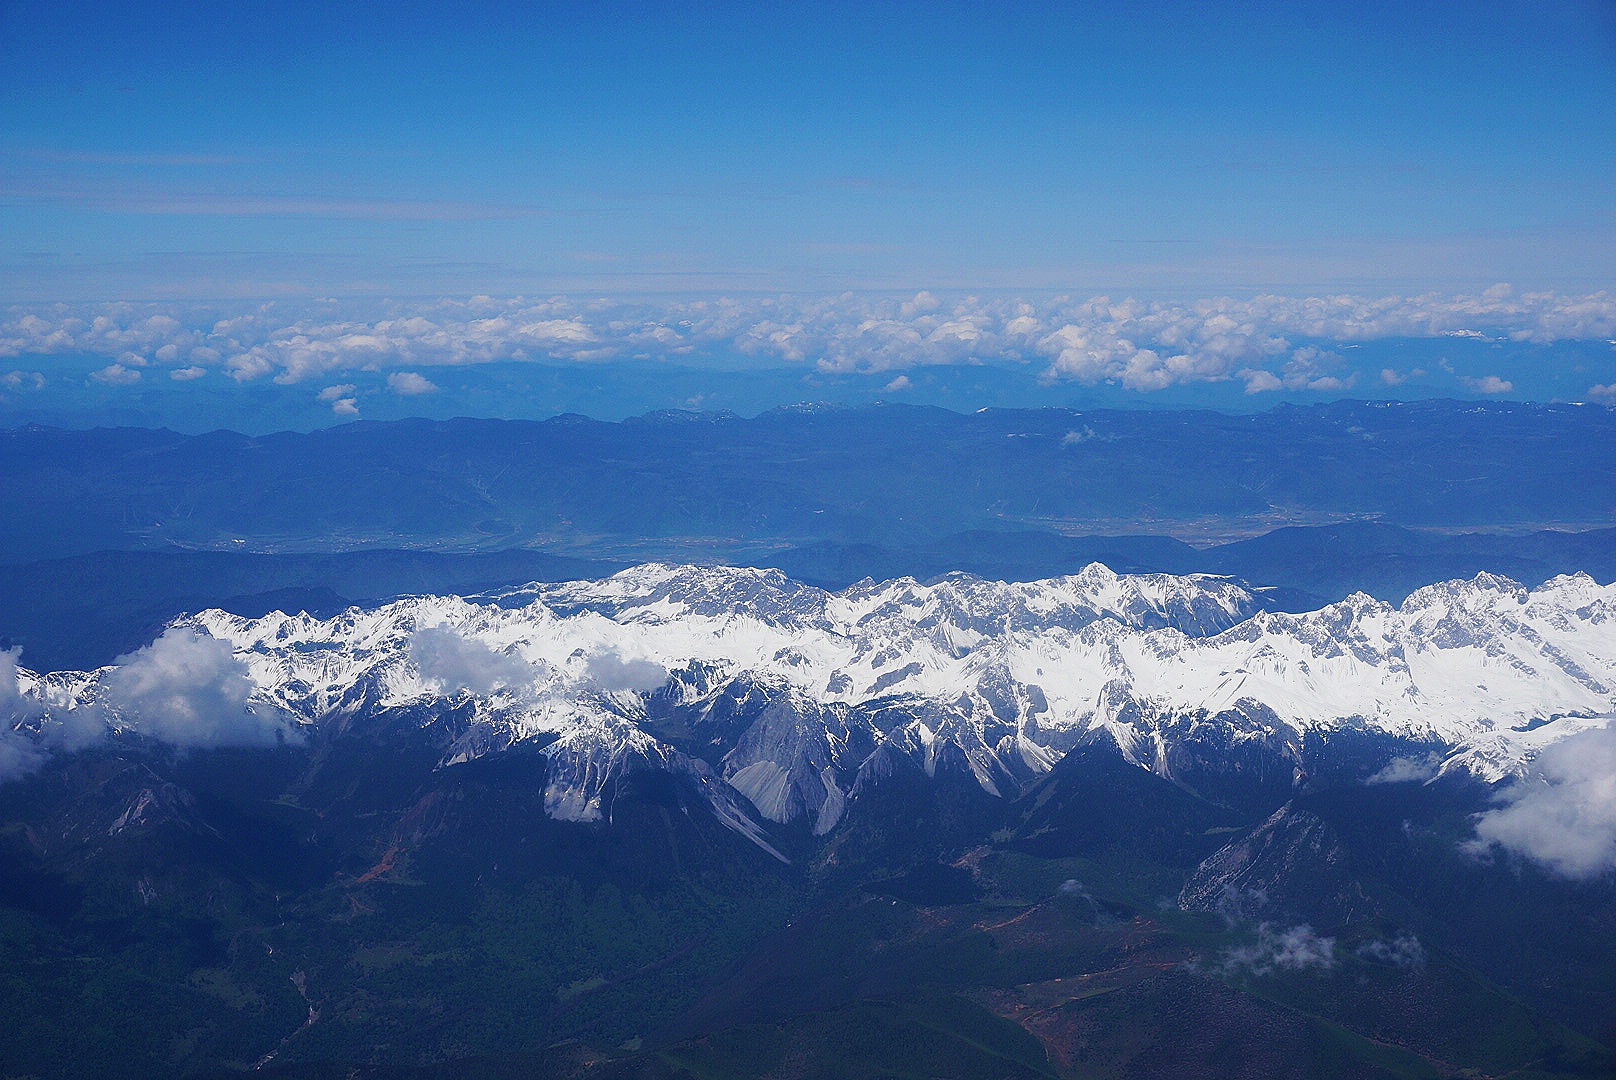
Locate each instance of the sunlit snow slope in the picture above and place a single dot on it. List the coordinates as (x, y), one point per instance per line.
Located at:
(785, 702)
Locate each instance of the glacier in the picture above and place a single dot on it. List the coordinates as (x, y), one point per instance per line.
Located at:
(775, 701)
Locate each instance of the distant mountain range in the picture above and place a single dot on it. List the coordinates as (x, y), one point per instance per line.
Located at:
(893, 476)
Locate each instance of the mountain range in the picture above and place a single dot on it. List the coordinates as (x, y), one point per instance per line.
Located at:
(780, 702)
(554, 750)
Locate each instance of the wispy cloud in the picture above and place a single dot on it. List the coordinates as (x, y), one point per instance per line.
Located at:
(1295, 949)
(454, 663)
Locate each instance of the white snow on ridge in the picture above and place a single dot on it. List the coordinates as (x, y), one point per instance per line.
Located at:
(1004, 674)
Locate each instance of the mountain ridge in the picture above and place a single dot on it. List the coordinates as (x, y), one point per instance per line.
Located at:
(777, 702)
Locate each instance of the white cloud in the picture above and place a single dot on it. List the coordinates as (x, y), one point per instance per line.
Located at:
(1143, 345)
(612, 671)
(185, 374)
(1392, 377)
(1563, 815)
(23, 380)
(1606, 391)
(64, 729)
(900, 383)
(1490, 384)
(1404, 951)
(1309, 367)
(1073, 438)
(332, 393)
(14, 704)
(1258, 381)
(188, 689)
(116, 375)
(345, 406)
(1331, 383)
(454, 663)
(1296, 949)
(19, 754)
(1403, 770)
(408, 382)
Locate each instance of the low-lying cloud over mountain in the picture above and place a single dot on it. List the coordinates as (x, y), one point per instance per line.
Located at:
(18, 754)
(186, 689)
(1563, 814)
(454, 662)
(189, 689)
(1266, 342)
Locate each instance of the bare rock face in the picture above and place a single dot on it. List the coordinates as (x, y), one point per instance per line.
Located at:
(1293, 864)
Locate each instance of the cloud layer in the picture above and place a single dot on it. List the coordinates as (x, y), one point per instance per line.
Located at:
(1268, 342)
(1563, 816)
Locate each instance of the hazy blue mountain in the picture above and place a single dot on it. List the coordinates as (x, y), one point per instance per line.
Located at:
(886, 475)
(84, 610)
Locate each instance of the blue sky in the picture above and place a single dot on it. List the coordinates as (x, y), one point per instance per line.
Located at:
(235, 211)
(156, 150)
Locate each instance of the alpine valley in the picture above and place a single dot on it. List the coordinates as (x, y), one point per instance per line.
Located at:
(712, 822)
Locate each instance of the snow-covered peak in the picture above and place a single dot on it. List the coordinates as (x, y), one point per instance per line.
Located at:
(791, 696)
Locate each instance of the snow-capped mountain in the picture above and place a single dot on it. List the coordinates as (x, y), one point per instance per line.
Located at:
(775, 700)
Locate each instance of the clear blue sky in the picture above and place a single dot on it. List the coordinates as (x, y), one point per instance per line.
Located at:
(155, 150)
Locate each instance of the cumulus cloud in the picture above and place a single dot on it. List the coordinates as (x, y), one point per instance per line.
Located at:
(409, 382)
(1259, 381)
(185, 374)
(345, 406)
(116, 375)
(336, 393)
(1310, 368)
(23, 380)
(1296, 949)
(189, 689)
(453, 662)
(1262, 341)
(613, 671)
(1563, 815)
(1607, 391)
(1489, 384)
